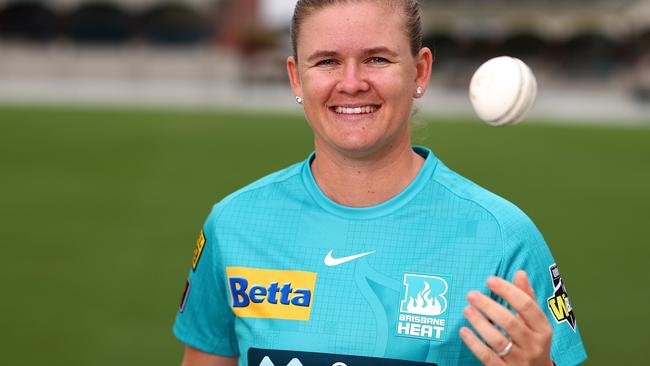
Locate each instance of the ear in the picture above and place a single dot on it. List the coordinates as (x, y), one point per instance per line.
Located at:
(423, 66)
(294, 76)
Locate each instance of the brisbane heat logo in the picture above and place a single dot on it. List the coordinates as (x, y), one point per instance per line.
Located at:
(423, 307)
(265, 293)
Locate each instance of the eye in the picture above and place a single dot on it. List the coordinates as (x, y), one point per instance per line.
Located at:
(326, 62)
(377, 60)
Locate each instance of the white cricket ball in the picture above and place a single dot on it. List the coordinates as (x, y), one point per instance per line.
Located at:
(503, 90)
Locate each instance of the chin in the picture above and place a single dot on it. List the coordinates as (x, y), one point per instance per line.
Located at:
(359, 147)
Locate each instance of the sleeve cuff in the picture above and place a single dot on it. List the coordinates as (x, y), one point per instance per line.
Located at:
(218, 348)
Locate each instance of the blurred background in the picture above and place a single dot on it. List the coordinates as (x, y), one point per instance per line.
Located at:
(593, 53)
(123, 121)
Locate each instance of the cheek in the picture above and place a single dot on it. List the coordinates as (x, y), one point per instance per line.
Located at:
(318, 87)
(394, 85)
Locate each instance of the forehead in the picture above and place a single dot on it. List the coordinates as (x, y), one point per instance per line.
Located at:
(353, 26)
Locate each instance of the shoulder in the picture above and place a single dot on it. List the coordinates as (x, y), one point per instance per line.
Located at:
(512, 222)
(278, 185)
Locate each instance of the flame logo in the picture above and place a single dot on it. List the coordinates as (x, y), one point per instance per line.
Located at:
(423, 303)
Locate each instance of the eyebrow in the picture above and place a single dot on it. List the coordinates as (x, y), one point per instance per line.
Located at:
(367, 51)
(321, 54)
(381, 49)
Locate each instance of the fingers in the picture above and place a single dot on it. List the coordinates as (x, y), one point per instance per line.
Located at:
(520, 300)
(485, 329)
(522, 282)
(528, 329)
(479, 349)
(498, 314)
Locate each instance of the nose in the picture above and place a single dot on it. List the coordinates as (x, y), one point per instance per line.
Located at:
(353, 80)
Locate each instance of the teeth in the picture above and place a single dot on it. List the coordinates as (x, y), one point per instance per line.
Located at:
(357, 110)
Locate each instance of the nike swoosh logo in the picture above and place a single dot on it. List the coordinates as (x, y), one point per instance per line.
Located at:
(331, 261)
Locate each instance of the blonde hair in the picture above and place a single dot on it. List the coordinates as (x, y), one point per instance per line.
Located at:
(410, 8)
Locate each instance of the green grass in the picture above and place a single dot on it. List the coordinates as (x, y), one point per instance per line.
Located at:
(100, 210)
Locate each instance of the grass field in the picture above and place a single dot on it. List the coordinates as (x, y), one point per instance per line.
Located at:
(100, 210)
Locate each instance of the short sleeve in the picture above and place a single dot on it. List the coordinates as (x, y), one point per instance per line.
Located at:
(204, 320)
(525, 248)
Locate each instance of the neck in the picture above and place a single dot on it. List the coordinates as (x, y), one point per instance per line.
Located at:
(367, 180)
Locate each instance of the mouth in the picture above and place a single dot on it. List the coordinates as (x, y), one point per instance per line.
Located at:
(355, 110)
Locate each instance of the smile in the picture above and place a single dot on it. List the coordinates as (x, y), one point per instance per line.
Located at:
(356, 110)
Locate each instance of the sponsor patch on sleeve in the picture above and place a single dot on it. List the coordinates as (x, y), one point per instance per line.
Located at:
(559, 303)
(186, 293)
(198, 249)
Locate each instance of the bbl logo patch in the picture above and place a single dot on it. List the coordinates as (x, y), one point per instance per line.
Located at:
(423, 307)
(264, 293)
(198, 249)
(559, 303)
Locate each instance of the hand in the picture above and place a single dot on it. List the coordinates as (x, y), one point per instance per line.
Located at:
(529, 330)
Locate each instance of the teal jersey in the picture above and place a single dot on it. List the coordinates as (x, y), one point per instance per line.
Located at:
(282, 275)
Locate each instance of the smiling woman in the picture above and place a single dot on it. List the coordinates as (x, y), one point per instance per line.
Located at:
(369, 251)
(358, 93)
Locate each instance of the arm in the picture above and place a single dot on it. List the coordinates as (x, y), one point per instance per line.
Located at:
(539, 329)
(204, 322)
(194, 357)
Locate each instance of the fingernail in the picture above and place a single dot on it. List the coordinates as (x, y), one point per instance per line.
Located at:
(472, 296)
(492, 281)
(464, 332)
(523, 274)
(469, 310)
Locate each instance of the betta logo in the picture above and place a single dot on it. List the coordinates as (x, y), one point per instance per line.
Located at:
(422, 307)
(276, 294)
(258, 294)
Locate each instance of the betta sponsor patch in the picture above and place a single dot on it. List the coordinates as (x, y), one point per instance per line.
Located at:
(275, 294)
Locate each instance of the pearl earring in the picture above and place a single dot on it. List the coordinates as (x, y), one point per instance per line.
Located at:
(419, 90)
(298, 100)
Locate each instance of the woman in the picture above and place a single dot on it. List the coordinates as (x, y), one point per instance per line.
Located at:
(370, 251)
